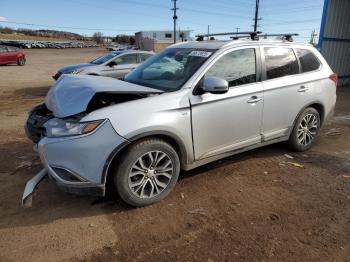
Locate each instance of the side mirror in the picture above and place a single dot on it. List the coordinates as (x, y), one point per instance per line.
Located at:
(214, 85)
(112, 63)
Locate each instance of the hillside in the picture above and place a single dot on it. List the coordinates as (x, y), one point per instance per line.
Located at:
(17, 36)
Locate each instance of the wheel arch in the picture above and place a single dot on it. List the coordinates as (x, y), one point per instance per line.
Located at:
(316, 105)
(169, 137)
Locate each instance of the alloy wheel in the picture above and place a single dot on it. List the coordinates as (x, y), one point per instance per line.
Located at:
(150, 174)
(307, 129)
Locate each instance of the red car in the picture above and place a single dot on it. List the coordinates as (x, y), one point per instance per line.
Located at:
(10, 55)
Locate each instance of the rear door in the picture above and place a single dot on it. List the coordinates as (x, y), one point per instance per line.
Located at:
(226, 122)
(124, 64)
(284, 90)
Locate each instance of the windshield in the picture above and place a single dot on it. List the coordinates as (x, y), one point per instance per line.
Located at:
(169, 69)
(102, 59)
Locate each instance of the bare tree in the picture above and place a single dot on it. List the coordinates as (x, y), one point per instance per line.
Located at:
(98, 37)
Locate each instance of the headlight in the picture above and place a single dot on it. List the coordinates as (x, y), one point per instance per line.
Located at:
(56, 127)
(77, 71)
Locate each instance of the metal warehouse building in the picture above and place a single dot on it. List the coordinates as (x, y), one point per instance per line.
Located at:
(334, 38)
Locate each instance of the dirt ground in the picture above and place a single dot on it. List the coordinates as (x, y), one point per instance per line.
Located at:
(256, 206)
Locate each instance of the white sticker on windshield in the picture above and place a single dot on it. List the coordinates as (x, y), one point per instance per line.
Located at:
(200, 53)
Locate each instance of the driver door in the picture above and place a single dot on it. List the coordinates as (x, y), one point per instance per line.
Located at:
(123, 65)
(229, 121)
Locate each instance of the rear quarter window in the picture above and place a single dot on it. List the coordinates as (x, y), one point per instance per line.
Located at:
(308, 60)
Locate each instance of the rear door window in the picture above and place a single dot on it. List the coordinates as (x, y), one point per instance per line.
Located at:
(308, 60)
(280, 61)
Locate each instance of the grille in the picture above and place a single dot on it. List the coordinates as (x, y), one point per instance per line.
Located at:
(34, 126)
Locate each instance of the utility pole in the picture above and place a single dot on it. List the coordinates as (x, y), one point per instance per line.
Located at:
(174, 18)
(208, 33)
(237, 28)
(256, 15)
(312, 39)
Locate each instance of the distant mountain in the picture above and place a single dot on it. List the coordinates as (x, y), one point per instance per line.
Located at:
(43, 33)
(59, 34)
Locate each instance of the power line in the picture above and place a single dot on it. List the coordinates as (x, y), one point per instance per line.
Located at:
(231, 6)
(67, 27)
(213, 13)
(292, 22)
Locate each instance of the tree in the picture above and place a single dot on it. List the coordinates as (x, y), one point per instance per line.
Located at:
(131, 40)
(98, 37)
(121, 39)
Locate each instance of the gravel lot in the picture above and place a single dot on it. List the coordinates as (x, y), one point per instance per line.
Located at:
(256, 206)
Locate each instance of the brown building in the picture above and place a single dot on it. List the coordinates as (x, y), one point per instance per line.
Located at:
(157, 40)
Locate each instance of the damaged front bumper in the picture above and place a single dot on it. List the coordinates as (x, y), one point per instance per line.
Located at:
(77, 163)
(30, 187)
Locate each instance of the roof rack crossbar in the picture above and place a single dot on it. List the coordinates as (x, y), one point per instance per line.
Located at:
(287, 36)
(253, 35)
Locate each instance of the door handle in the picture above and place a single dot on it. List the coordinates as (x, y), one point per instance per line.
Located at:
(303, 89)
(254, 99)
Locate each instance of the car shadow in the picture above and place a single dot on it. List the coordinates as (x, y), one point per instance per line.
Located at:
(19, 163)
(14, 64)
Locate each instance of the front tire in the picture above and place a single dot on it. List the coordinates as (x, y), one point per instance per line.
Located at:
(305, 130)
(21, 61)
(147, 172)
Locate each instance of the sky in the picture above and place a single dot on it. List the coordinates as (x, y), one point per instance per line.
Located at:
(112, 17)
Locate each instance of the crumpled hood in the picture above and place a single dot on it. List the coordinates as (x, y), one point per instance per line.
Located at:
(70, 68)
(71, 94)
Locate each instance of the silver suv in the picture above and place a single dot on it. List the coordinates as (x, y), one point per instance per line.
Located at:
(191, 104)
(115, 64)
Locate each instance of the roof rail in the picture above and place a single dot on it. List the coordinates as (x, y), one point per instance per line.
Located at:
(253, 35)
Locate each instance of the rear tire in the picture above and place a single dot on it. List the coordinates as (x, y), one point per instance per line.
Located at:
(147, 172)
(21, 61)
(305, 130)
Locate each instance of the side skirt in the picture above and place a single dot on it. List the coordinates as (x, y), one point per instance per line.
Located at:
(231, 153)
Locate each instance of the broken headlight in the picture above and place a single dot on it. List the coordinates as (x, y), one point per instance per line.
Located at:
(56, 127)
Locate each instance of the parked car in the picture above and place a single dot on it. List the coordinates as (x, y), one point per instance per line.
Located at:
(137, 134)
(115, 64)
(11, 55)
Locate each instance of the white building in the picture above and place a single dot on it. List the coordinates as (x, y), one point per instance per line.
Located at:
(183, 35)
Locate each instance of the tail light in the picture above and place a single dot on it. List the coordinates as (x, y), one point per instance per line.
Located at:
(334, 78)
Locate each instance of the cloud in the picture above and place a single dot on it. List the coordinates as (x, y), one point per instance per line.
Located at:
(2, 18)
